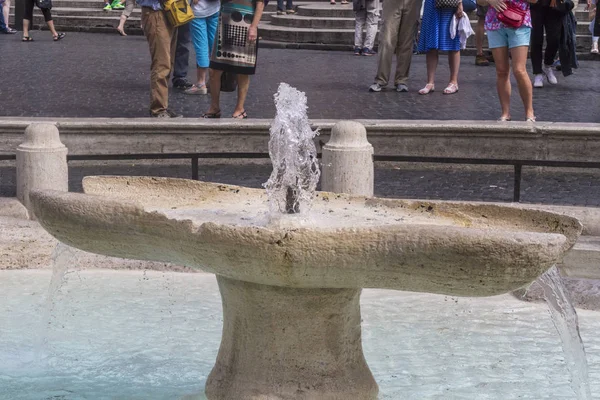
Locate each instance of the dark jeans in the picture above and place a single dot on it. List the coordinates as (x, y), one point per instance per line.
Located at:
(182, 52)
(544, 18)
(2, 24)
(288, 5)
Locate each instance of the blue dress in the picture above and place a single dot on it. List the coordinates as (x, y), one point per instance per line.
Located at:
(435, 29)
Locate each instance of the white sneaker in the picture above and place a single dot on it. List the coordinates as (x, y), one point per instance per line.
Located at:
(595, 48)
(549, 74)
(538, 80)
(374, 87)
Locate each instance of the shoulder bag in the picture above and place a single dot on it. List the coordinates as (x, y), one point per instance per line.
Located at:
(513, 16)
(446, 3)
(44, 4)
(179, 12)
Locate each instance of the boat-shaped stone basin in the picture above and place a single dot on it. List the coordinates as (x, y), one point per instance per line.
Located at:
(343, 242)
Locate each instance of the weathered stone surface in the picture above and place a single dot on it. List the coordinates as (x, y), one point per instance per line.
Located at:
(347, 161)
(290, 344)
(459, 249)
(11, 207)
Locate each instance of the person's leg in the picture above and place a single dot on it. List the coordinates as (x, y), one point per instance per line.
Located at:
(214, 76)
(27, 17)
(182, 55)
(289, 5)
(5, 13)
(2, 24)
(372, 21)
(388, 39)
(48, 18)
(503, 79)
(431, 59)
(360, 18)
(199, 33)
(404, 47)
(519, 60)
(279, 5)
(553, 27)
(160, 35)
(454, 63)
(537, 37)
(242, 91)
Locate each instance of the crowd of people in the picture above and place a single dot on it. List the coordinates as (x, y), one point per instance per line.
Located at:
(224, 34)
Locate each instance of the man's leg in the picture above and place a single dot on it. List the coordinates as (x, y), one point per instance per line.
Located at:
(160, 35)
(2, 24)
(388, 38)
(480, 59)
(404, 48)
(372, 23)
(182, 55)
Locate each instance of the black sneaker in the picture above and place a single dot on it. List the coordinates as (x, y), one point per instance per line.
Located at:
(182, 84)
(173, 114)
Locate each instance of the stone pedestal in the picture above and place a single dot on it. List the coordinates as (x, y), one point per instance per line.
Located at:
(284, 343)
(41, 163)
(348, 161)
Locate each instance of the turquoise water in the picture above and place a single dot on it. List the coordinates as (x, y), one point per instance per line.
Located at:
(151, 335)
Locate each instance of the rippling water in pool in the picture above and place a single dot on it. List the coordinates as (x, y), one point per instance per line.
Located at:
(132, 335)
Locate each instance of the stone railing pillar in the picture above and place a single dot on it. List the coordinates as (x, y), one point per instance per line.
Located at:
(41, 163)
(348, 160)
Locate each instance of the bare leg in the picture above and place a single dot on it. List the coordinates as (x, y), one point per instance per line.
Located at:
(25, 27)
(432, 62)
(201, 76)
(479, 34)
(243, 85)
(6, 11)
(51, 27)
(503, 79)
(121, 27)
(215, 91)
(454, 62)
(519, 59)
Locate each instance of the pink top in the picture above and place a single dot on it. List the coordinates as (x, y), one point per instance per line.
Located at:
(491, 18)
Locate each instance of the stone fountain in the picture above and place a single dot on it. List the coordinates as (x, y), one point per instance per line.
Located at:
(291, 272)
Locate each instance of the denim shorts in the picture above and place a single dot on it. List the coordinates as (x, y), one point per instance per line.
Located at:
(509, 37)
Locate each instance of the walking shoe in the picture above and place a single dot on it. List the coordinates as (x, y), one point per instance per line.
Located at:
(107, 7)
(116, 5)
(594, 48)
(547, 69)
(10, 31)
(538, 80)
(197, 89)
(182, 84)
(401, 88)
(291, 12)
(357, 51)
(165, 114)
(481, 60)
(280, 12)
(368, 52)
(375, 88)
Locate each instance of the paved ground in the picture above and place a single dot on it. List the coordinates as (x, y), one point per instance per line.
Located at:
(101, 75)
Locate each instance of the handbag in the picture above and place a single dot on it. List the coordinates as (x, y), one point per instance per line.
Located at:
(446, 3)
(228, 82)
(178, 12)
(44, 4)
(513, 16)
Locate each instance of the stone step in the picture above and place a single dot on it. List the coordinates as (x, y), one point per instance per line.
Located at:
(86, 12)
(325, 10)
(269, 31)
(87, 24)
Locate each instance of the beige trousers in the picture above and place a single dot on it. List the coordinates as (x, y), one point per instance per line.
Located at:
(398, 32)
(161, 37)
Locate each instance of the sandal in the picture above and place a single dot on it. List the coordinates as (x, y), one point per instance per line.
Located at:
(27, 39)
(332, 2)
(242, 115)
(60, 36)
(212, 115)
(451, 88)
(504, 119)
(530, 119)
(430, 87)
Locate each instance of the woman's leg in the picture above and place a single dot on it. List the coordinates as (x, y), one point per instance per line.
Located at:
(537, 37)
(121, 27)
(519, 60)
(27, 17)
(503, 79)
(432, 62)
(243, 85)
(454, 62)
(215, 90)
(553, 26)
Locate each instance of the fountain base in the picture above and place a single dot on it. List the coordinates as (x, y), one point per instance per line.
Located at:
(283, 343)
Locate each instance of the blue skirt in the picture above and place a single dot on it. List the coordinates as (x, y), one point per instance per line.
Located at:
(435, 29)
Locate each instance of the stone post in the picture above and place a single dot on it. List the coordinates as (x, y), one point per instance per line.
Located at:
(41, 163)
(348, 161)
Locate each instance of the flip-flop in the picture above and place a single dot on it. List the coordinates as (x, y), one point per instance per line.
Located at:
(212, 115)
(60, 36)
(27, 39)
(242, 115)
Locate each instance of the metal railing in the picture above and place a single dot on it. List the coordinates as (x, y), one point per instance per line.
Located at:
(195, 157)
